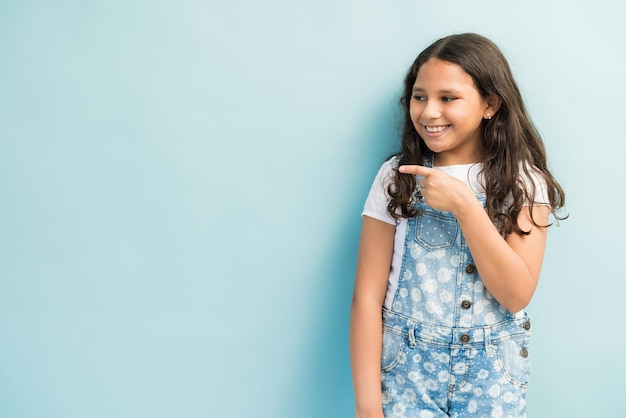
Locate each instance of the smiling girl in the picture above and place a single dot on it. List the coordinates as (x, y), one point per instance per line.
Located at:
(452, 241)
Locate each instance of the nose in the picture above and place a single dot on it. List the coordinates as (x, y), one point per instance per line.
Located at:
(431, 110)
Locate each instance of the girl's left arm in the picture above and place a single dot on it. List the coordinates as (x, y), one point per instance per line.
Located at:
(509, 268)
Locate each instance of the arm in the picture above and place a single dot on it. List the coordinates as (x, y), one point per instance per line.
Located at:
(509, 268)
(372, 273)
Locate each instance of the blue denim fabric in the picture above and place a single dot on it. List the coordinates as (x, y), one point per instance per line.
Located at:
(449, 348)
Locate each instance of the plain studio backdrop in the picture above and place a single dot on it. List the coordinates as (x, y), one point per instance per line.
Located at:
(181, 186)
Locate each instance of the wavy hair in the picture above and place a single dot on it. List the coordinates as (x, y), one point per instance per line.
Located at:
(511, 141)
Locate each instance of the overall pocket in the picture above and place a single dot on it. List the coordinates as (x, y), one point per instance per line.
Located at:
(514, 356)
(435, 229)
(393, 349)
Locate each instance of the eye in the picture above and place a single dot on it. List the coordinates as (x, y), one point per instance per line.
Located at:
(419, 98)
(448, 98)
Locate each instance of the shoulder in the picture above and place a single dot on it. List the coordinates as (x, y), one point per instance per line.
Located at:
(390, 165)
(386, 172)
(378, 197)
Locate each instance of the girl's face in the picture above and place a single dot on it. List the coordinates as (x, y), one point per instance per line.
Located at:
(447, 111)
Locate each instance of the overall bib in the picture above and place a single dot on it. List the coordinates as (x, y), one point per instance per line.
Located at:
(449, 348)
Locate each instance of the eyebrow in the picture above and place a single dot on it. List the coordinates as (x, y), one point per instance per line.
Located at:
(421, 90)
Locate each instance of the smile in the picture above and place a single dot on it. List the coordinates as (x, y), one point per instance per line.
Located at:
(434, 129)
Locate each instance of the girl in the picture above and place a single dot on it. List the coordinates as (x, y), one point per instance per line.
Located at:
(452, 241)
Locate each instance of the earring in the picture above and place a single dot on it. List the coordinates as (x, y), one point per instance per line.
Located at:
(488, 115)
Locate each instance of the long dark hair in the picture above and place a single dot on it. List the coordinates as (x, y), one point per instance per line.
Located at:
(510, 138)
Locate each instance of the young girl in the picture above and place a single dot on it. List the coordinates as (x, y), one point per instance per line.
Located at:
(452, 241)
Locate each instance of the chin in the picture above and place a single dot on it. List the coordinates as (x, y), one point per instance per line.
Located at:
(434, 148)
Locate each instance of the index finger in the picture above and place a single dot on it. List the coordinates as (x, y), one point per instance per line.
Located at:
(418, 170)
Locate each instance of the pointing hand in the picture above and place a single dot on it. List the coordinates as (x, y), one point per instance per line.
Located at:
(440, 190)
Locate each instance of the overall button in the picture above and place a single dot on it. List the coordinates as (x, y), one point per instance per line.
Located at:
(465, 338)
(524, 352)
(466, 304)
(470, 269)
(527, 325)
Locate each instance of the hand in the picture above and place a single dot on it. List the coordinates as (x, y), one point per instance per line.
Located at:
(440, 190)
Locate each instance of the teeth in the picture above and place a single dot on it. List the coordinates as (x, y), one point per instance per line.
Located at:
(435, 128)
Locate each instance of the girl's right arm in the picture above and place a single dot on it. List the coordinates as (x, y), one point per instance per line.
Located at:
(372, 273)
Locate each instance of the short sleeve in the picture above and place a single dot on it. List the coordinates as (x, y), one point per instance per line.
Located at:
(541, 189)
(378, 197)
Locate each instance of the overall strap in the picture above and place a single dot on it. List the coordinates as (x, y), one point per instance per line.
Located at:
(429, 159)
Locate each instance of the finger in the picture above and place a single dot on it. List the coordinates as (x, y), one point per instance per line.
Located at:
(418, 170)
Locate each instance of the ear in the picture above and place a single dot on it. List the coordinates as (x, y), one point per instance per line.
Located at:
(492, 105)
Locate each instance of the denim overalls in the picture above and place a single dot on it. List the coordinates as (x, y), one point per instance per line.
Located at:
(449, 348)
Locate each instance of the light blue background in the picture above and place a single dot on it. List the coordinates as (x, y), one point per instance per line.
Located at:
(181, 186)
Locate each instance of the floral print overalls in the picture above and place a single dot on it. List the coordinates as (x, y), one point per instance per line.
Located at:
(449, 348)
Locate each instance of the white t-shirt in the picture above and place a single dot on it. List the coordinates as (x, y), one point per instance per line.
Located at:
(378, 199)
